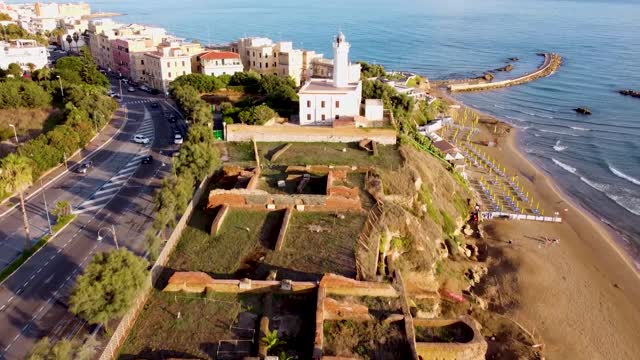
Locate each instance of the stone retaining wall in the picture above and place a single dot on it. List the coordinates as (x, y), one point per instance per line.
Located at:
(296, 133)
(219, 219)
(199, 282)
(283, 228)
(472, 350)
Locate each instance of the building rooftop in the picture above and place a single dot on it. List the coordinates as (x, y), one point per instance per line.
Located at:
(444, 146)
(325, 86)
(217, 55)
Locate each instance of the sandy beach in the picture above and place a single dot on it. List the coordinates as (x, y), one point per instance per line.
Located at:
(579, 296)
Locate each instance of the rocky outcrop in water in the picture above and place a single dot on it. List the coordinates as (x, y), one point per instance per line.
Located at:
(508, 67)
(582, 110)
(632, 93)
(487, 76)
(514, 59)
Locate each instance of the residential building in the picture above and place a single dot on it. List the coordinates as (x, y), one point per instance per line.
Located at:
(323, 68)
(75, 28)
(172, 58)
(324, 100)
(55, 10)
(23, 53)
(219, 63)
(101, 31)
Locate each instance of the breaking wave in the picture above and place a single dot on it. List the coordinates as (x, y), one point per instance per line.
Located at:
(622, 175)
(580, 128)
(569, 168)
(622, 197)
(558, 132)
(557, 147)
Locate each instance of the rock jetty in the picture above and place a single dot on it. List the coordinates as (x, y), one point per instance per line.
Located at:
(582, 110)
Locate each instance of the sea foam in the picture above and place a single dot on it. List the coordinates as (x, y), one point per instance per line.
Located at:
(621, 196)
(569, 168)
(557, 147)
(622, 175)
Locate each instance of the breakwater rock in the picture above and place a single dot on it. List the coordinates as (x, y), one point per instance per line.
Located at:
(631, 93)
(550, 64)
(582, 110)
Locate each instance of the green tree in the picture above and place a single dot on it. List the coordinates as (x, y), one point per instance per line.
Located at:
(63, 349)
(108, 286)
(42, 74)
(370, 70)
(32, 67)
(16, 177)
(15, 70)
(198, 156)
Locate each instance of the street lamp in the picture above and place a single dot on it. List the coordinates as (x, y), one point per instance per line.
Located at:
(61, 89)
(15, 133)
(113, 232)
(46, 208)
(120, 82)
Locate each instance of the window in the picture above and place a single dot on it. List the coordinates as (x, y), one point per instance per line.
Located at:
(337, 104)
(266, 65)
(337, 117)
(322, 104)
(260, 65)
(183, 63)
(308, 103)
(309, 117)
(254, 54)
(184, 73)
(260, 55)
(169, 74)
(323, 117)
(141, 62)
(247, 52)
(254, 63)
(168, 64)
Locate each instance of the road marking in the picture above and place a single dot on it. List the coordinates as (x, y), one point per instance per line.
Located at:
(48, 279)
(32, 276)
(19, 291)
(11, 298)
(38, 272)
(25, 284)
(2, 308)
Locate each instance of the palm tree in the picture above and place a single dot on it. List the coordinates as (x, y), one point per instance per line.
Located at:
(69, 40)
(31, 67)
(43, 74)
(16, 176)
(271, 340)
(76, 37)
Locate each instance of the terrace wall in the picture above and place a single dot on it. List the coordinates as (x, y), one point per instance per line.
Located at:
(199, 282)
(294, 133)
(472, 350)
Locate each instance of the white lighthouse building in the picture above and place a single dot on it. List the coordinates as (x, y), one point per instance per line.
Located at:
(324, 100)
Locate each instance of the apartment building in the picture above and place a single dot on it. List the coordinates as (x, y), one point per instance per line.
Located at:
(172, 58)
(74, 28)
(101, 32)
(55, 10)
(23, 53)
(219, 63)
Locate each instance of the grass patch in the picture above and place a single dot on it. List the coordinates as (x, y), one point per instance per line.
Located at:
(317, 243)
(366, 340)
(190, 325)
(448, 226)
(15, 264)
(243, 233)
(240, 151)
(331, 154)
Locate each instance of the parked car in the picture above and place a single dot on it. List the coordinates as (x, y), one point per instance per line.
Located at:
(147, 159)
(154, 92)
(85, 167)
(171, 117)
(131, 89)
(155, 105)
(177, 139)
(140, 139)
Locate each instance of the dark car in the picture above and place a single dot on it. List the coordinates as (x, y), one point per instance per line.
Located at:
(155, 105)
(85, 167)
(172, 118)
(147, 159)
(154, 92)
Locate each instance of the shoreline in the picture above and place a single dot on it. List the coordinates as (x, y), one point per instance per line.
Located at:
(570, 293)
(607, 231)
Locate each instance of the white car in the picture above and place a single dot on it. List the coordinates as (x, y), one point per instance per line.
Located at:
(140, 139)
(131, 89)
(177, 139)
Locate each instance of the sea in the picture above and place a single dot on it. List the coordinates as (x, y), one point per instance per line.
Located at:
(593, 159)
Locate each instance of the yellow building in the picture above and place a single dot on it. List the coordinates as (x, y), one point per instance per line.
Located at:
(173, 58)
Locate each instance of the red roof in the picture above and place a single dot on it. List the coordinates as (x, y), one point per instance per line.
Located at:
(217, 55)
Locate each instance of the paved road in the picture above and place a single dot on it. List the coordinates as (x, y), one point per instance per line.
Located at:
(117, 193)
